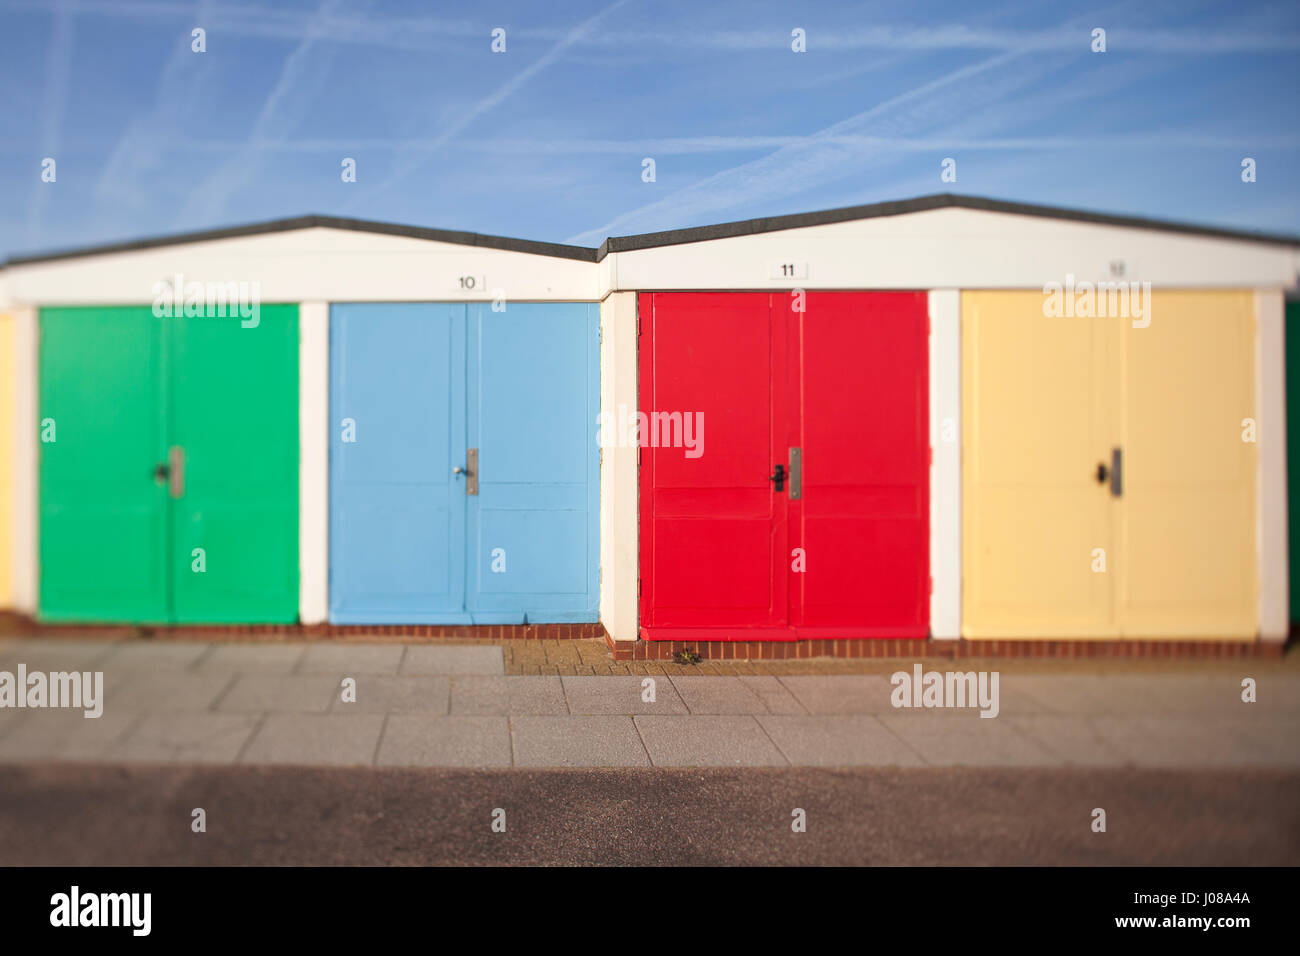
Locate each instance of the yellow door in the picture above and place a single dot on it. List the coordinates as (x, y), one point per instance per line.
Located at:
(7, 398)
(1186, 529)
(1036, 523)
(1052, 550)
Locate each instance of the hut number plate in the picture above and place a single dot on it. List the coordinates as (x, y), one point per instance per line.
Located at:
(788, 270)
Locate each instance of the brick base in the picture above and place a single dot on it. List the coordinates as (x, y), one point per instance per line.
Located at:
(11, 623)
(938, 650)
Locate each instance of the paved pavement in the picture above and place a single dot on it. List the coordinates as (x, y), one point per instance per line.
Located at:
(87, 815)
(444, 705)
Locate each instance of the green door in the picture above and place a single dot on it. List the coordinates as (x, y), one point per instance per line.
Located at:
(170, 493)
(103, 534)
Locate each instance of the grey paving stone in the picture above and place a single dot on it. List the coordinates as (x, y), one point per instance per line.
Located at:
(351, 660)
(379, 694)
(708, 741)
(164, 690)
(453, 659)
(838, 741)
(510, 696)
(1071, 737)
(840, 693)
(774, 694)
(252, 658)
(56, 654)
(257, 693)
(315, 740)
(411, 741)
(64, 735)
(610, 741)
(620, 695)
(718, 695)
(153, 656)
(982, 742)
(186, 738)
(1187, 741)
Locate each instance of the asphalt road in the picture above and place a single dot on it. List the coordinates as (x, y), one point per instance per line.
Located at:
(79, 815)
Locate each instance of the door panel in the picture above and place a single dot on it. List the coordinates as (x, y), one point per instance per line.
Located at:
(1037, 420)
(533, 528)
(863, 516)
(235, 413)
(713, 528)
(103, 518)
(1187, 531)
(397, 526)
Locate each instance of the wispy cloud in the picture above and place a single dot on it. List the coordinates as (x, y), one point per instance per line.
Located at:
(58, 76)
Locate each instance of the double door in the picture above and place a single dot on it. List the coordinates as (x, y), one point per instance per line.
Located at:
(464, 468)
(168, 466)
(1109, 469)
(802, 508)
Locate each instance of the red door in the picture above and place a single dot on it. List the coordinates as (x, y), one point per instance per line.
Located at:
(835, 394)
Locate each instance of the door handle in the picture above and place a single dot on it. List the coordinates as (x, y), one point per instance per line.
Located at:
(779, 477)
(471, 471)
(1101, 472)
(796, 473)
(160, 472)
(1116, 472)
(176, 471)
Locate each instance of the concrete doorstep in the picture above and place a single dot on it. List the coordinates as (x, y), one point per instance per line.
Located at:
(425, 705)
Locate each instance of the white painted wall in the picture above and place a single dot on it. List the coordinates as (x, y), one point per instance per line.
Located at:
(319, 264)
(26, 543)
(945, 469)
(313, 461)
(618, 470)
(952, 249)
(1271, 474)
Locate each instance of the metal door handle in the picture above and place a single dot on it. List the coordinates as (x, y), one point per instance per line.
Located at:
(779, 477)
(1101, 472)
(471, 471)
(1116, 472)
(160, 472)
(458, 470)
(176, 471)
(796, 473)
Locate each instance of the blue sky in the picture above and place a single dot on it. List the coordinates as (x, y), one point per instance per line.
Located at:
(546, 140)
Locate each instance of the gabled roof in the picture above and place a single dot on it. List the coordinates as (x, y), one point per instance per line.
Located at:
(556, 249)
(801, 220)
(672, 237)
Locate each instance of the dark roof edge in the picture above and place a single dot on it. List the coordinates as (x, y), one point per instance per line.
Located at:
(553, 249)
(748, 227)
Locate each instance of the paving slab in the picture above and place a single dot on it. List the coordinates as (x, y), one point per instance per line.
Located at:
(718, 695)
(708, 741)
(775, 695)
(155, 656)
(577, 742)
(1182, 741)
(64, 735)
(838, 741)
(186, 738)
(1070, 737)
(621, 695)
(982, 742)
(423, 741)
(258, 693)
(163, 690)
(53, 655)
(453, 659)
(276, 659)
(840, 693)
(508, 696)
(379, 694)
(351, 660)
(315, 740)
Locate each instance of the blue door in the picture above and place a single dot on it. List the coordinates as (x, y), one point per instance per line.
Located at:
(464, 469)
